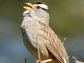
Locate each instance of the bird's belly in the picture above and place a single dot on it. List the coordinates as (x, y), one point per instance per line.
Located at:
(30, 46)
(30, 36)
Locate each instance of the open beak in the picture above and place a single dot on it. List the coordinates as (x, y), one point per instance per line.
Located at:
(28, 8)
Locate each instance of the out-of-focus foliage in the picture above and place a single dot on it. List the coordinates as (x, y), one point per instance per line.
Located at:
(66, 19)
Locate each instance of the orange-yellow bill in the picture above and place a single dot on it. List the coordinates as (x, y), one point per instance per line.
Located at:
(28, 8)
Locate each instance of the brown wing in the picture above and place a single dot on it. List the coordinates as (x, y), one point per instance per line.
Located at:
(53, 43)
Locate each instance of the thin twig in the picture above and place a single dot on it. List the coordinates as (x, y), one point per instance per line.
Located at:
(38, 51)
(76, 60)
(25, 60)
(64, 40)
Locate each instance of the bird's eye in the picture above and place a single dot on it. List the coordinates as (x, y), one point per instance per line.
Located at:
(38, 7)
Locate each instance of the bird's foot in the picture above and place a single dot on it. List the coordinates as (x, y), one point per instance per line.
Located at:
(44, 61)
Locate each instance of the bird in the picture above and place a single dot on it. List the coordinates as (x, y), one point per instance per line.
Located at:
(38, 35)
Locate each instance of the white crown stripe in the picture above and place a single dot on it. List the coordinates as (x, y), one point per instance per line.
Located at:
(43, 6)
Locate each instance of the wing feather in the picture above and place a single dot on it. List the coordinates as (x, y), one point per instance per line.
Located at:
(53, 43)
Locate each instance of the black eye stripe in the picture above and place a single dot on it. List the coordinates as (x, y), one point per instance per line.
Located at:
(40, 2)
(45, 9)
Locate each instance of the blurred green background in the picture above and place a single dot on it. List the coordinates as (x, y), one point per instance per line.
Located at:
(66, 19)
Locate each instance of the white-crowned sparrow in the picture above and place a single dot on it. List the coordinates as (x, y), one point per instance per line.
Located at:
(36, 32)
